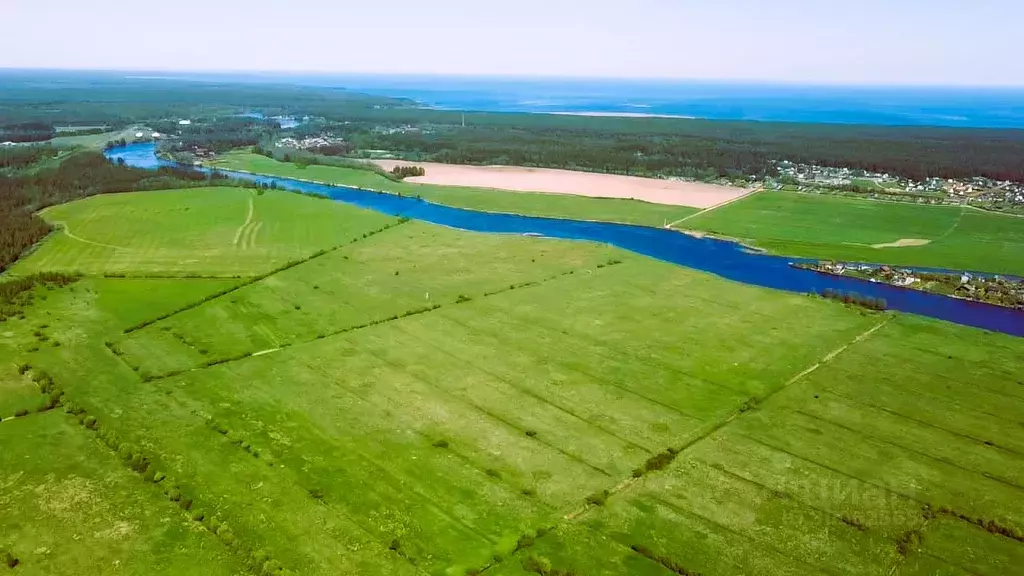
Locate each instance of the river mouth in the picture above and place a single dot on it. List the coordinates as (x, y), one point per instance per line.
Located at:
(727, 259)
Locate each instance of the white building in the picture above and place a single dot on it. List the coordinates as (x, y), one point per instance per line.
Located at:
(184, 122)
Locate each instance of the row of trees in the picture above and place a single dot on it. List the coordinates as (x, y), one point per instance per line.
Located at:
(403, 172)
(856, 299)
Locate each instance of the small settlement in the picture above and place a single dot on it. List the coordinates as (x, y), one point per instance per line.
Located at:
(996, 290)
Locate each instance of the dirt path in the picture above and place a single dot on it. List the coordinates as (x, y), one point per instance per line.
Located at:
(248, 220)
(67, 231)
(716, 206)
(249, 240)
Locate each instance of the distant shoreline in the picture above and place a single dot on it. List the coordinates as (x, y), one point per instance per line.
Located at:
(620, 115)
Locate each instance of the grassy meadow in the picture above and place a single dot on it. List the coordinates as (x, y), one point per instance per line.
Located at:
(406, 399)
(842, 228)
(485, 199)
(201, 231)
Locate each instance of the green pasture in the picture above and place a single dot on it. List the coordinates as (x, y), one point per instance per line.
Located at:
(841, 228)
(96, 141)
(71, 507)
(425, 401)
(528, 203)
(200, 231)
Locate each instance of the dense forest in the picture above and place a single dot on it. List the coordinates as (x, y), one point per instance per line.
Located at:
(16, 157)
(98, 98)
(233, 114)
(690, 148)
(26, 132)
(221, 134)
(82, 174)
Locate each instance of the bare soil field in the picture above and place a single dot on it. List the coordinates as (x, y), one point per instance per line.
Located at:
(524, 179)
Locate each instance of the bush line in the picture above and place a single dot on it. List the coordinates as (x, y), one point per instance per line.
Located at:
(461, 298)
(665, 561)
(659, 461)
(991, 526)
(524, 542)
(258, 560)
(855, 299)
(541, 565)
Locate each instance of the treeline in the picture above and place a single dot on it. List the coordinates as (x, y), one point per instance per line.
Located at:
(680, 147)
(408, 171)
(80, 175)
(96, 98)
(17, 157)
(855, 299)
(26, 132)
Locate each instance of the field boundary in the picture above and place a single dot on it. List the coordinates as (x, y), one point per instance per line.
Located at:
(664, 459)
(371, 323)
(254, 279)
(716, 206)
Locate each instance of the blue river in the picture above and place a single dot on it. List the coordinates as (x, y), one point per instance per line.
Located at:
(723, 258)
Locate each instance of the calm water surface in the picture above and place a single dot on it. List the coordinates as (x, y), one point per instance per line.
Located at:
(723, 258)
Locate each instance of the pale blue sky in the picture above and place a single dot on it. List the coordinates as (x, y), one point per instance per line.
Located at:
(961, 42)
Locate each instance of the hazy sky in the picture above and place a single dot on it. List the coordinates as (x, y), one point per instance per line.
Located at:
(962, 42)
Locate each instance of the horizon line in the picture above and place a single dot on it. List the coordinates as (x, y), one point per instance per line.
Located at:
(515, 76)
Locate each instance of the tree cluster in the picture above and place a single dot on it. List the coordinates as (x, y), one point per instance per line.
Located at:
(869, 302)
(403, 172)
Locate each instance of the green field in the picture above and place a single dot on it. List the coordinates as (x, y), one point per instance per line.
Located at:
(96, 141)
(528, 203)
(426, 401)
(834, 227)
(201, 231)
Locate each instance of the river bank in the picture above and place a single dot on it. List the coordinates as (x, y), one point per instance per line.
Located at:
(722, 258)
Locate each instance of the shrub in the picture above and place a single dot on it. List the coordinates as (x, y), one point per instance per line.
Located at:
(530, 492)
(212, 524)
(851, 521)
(10, 560)
(440, 443)
(23, 368)
(20, 412)
(316, 493)
(493, 473)
(537, 565)
(395, 545)
(525, 541)
(198, 515)
(531, 433)
(159, 477)
(598, 498)
(660, 460)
